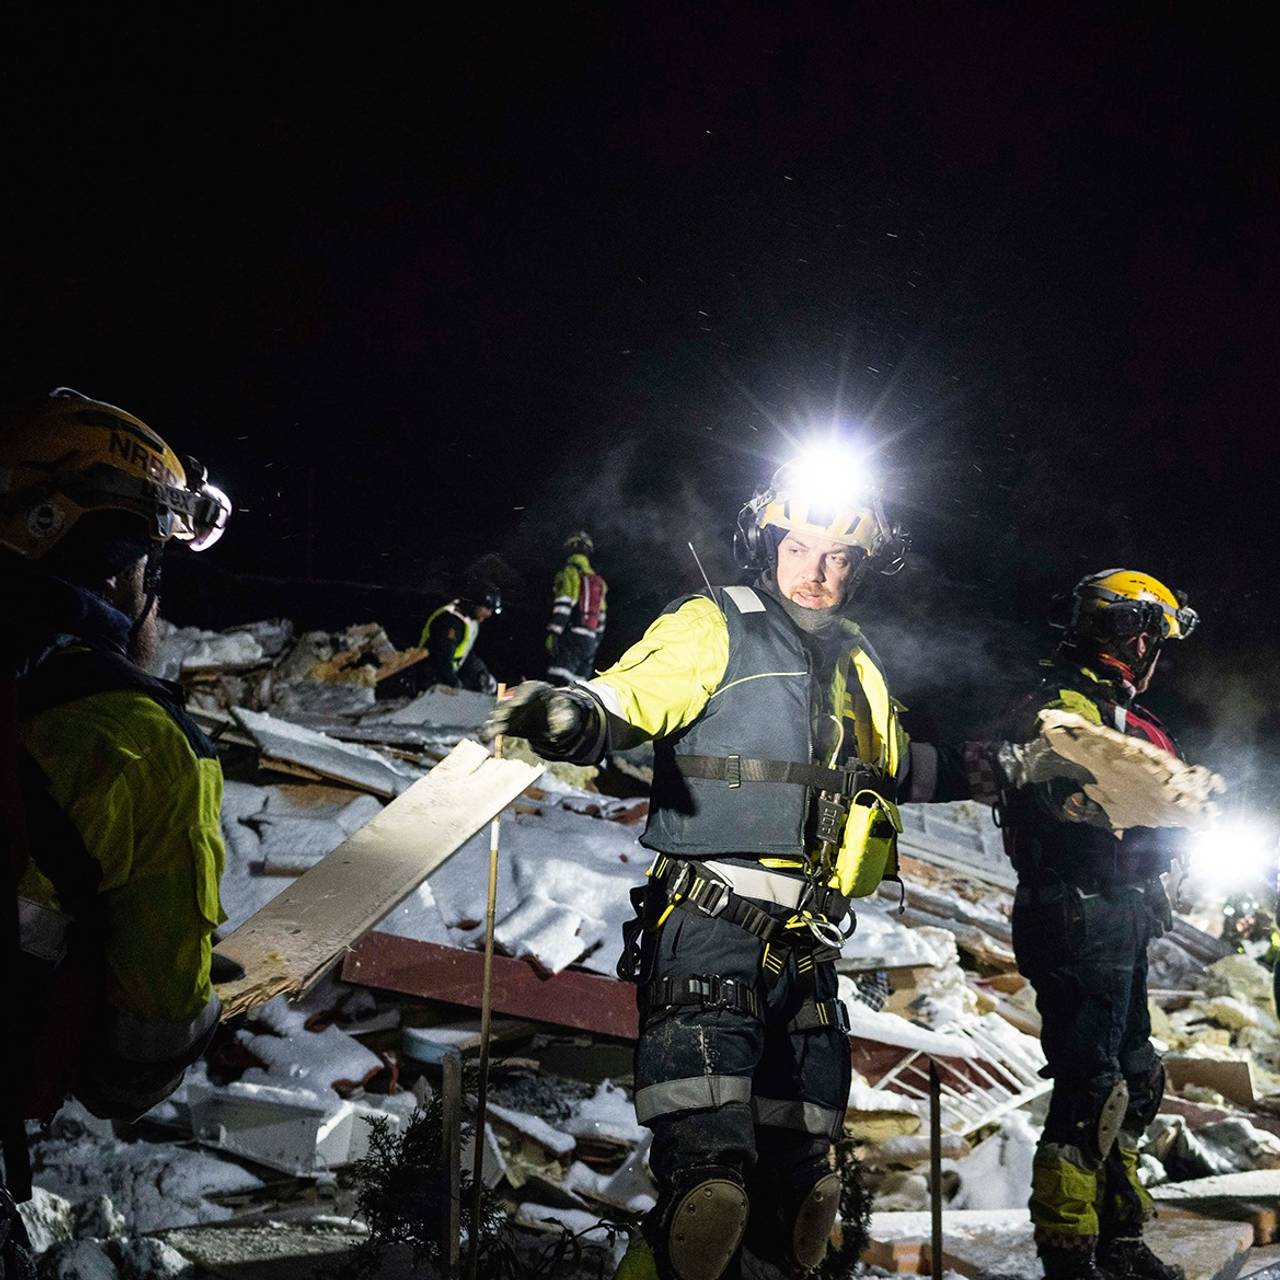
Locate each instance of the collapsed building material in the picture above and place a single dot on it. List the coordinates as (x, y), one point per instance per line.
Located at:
(285, 1251)
(424, 1043)
(987, 1068)
(960, 837)
(442, 711)
(362, 643)
(189, 651)
(295, 938)
(583, 1001)
(1135, 782)
(289, 745)
(1231, 1078)
(983, 1243)
(279, 1128)
(1252, 1198)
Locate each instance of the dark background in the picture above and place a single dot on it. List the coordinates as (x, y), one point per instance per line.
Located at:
(428, 288)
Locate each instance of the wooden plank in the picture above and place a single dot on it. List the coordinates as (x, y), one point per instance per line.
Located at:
(582, 1001)
(293, 940)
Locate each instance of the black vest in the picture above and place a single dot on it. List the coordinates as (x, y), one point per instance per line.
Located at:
(760, 709)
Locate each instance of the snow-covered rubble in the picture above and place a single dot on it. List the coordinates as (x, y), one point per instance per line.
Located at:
(152, 1185)
(569, 858)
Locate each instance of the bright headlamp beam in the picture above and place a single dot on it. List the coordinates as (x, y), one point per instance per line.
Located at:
(826, 476)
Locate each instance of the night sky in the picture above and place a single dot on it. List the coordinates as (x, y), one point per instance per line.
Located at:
(432, 288)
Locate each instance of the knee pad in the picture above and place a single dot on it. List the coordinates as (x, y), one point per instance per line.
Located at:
(1110, 1117)
(814, 1220)
(704, 1223)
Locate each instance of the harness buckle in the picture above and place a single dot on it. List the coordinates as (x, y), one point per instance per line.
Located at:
(715, 898)
(733, 770)
(679, 882)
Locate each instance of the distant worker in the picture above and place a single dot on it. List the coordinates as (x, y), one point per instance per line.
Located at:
(1088, 903)
(577, 614)
(449, 636)
(110, 795)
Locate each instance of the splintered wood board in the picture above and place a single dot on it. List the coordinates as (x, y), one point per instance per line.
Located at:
(294, 939)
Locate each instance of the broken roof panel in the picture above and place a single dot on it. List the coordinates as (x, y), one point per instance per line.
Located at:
(358, 766)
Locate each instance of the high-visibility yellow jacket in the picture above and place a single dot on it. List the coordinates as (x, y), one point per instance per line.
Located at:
(448, 635)
(143, 808)
(578, 598)
(733, 676)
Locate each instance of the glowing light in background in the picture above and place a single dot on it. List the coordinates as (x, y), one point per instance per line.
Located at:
(1235, 854)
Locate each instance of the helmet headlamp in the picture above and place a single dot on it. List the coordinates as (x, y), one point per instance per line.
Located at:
(830, 493)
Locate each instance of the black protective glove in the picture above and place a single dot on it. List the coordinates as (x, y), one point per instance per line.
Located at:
(560, 724)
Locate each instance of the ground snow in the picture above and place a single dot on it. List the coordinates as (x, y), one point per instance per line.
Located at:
(564, 877)
(556, 1141)
(998, 1172)
(151, 1186)
(314, 1060)
(608, 1113)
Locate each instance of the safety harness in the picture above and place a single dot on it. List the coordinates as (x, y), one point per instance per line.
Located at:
(695, 888)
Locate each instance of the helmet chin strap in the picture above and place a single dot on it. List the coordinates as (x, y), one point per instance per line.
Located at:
(150, 593)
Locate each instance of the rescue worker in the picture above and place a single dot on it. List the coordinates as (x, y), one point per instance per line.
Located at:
(449, 636)
(1087, 904)
(577, 614)
(110, 842)
(778, 754)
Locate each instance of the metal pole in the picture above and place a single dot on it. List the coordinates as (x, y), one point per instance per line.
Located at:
(451, 1161)
(486, 1020)
(935, 1170)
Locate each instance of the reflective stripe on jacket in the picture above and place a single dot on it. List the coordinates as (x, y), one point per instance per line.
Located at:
(470, 628)
(578, 599)
(731, 676)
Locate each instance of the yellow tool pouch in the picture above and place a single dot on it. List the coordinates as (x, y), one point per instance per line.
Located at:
(869, 848)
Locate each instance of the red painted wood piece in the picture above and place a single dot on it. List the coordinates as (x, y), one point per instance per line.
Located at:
(582, 1001)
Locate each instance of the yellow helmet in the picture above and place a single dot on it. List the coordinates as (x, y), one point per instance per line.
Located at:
(825, 495)
(1121, 603)
(68, 456)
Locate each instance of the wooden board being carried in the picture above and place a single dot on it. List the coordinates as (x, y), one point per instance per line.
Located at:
(285, 947)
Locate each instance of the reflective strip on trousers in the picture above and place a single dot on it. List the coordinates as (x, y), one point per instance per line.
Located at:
(693, 1093)
(42, 931)
(791, 1113)
(149, 1041)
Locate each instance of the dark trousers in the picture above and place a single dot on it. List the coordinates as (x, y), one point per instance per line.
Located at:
(724, 1089)
(1086, 956)
(573, 657)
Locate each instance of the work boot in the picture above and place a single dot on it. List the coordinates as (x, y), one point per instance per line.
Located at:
(1128, 1258)
(1068, 1264)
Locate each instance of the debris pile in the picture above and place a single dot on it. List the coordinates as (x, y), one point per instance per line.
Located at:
(273, 1122)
